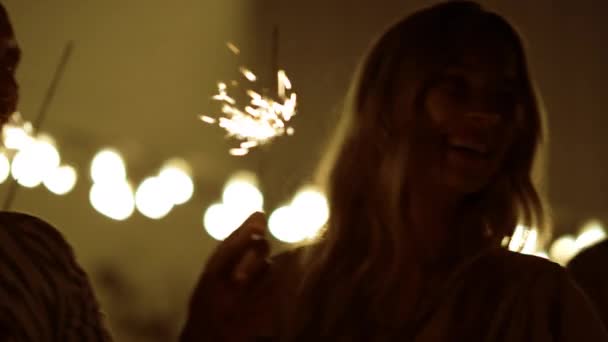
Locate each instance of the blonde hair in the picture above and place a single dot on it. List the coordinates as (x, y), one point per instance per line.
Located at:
(360, 259)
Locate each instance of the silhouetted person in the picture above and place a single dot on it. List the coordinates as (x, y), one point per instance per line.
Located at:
(45, 296)
(430, 172)
(590, 270)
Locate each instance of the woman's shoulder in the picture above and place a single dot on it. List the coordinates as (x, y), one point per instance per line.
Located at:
(530, 295)
(519, 265)
(551, 292)
(515, 275)
(532, 279)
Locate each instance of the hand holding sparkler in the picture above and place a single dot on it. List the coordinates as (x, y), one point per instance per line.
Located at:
(226, 302)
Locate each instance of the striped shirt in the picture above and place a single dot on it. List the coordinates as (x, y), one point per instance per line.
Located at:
(44, 294)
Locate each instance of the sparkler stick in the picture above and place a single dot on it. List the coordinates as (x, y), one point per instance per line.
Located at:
(42, 114)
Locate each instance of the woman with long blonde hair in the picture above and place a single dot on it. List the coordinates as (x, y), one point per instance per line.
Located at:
(430, 174)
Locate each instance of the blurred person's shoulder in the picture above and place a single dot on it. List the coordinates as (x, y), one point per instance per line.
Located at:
(588, 270)
(590, 257)
(33, 237)
(28, 226)
(43, 288)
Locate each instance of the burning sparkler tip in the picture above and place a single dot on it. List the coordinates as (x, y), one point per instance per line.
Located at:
(263, 118)
(238, 152)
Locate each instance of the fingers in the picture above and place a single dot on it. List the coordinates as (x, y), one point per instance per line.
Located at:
(250, 234)
(252, 262)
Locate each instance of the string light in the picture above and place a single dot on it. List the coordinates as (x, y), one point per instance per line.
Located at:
(111, 193)
(113, 199)
(108, 166)
(301, 219)
(151, 199)
(563, 249)
(591, 233)
(524, 240)
(61, 180)
(5, 167)
(240, 198)
(34, 161)
(176, 178)
(17, 133)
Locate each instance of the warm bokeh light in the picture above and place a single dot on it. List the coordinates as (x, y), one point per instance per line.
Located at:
(219, 221)
(113, 199)
(591, 233)
(311, 210)
(35, 161)
(176, 178)
(542, 254)
(242, 195)
(16, 137)
(108, 166)
(152, 199)
(282, 225)
(241, 198)
(563, 249)
(5, 167)
(61, 180)
(302, 219)
(524, 240)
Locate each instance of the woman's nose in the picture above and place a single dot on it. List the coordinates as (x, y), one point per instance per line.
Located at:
(483, 117)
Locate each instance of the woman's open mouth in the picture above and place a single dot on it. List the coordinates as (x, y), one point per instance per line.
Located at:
(469, 148)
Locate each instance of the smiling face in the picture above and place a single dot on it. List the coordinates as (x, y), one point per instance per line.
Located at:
(471, 114)
(9, 59)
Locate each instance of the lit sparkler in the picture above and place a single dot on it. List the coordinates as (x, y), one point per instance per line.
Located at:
(261, 118)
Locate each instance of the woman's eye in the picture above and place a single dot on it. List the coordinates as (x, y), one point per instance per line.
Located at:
(456, 88)
(504, 100)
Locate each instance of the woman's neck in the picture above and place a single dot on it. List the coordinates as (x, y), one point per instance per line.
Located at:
(434, 221)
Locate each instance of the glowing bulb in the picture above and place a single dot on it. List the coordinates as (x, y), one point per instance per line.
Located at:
(563, 249)
(113, 199)
(241, 194)
(34, 162)
(151, 199)
(310, 210)
(16, 137)
(591, 233)
(218, 221)
(61, 180)
(524, 240)
(5, 167)
(281, 226)
(108, 166)
(175, 176)
(541, 254)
